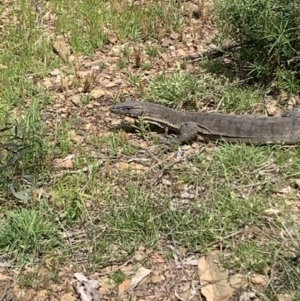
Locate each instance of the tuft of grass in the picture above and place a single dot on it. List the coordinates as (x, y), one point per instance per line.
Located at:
(154, 51)
(63, 137)
(117, 143)
(184, 89)
(118, 277)
(178, 88)
(26, 233)
(239, 157)
(239, 100)
(249, 256)
(22, 153)
(71, 205)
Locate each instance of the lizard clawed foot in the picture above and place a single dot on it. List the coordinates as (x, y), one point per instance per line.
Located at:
(170, 140)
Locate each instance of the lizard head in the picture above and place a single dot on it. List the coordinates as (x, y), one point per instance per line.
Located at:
(128, 108)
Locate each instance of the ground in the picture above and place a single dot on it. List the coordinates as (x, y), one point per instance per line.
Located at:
(197, 222)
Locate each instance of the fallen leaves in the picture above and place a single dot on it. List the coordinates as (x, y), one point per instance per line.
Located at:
(97, 93)
(68, 297)
(134, 167)
(285, 297)
(61, 47)
(191, 277)
(64, 163)
(4, 277)
(129, 284)
(86, 289)
(100, 92)
(259, 279)
(214, 279)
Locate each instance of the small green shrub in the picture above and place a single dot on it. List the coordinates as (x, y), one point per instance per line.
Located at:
(268, 31)
(21, 155)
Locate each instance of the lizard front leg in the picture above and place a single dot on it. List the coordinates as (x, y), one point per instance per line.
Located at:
(188, 132)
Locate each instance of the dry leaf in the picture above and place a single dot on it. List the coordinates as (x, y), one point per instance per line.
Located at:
(84, 74)
(185, 296)
(71, 58)
(285, 190)
(285, 297)
(141, 273)
(187, 195)
(259, 279)
(68, 297)
(63, 163)
(138, 168)
(272, 211)
(42, 295)
(55, 72)
(191, 260)
(214, 279)
(236, 281)
(140, 254)
(191, 8)
(133, 282)
(158, 258)
(86, 289)
(62, 48)
(93, 63)
(4, 277)
(181, 53)
(106, 285)
(110, 85)
(156, 279)
(297, 182)
(112, 39)
(75, 137)
(97, 93)
(124, 286)
(247, 296)
(28, 295)
(272, 108)
(166, 42)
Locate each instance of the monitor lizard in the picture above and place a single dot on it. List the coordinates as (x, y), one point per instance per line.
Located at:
(215, 126)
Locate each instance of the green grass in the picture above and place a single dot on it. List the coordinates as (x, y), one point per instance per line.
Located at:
(178, 88)
(154, 51)
(90, 21)
(104, 211)
(28, 233)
